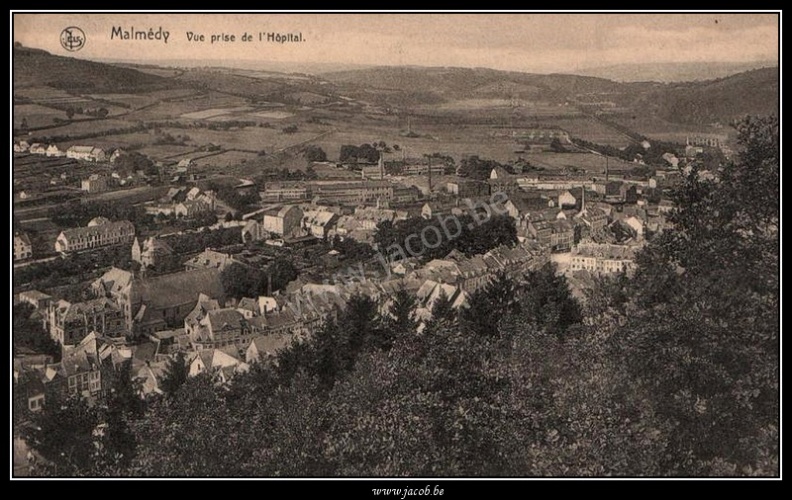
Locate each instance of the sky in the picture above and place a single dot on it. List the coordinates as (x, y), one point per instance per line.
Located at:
(530, 42)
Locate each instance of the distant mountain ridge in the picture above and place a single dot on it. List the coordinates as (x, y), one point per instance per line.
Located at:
(673, 72)
(700, 102)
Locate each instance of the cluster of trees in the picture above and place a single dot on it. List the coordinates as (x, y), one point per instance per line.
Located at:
(466, 235)
(352, 250)
(78, 214)
(314, 153)
(291, 129)
(73, 268)
(476, 168)
(672, 372)
(190, 243)
(48, 139)
(29, 334)
(239, 200)
(240, 280)
(652, 156)
(367, 152)
(132, 162)
(168, 138)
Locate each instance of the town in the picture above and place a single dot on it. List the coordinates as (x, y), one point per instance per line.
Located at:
(357, 261)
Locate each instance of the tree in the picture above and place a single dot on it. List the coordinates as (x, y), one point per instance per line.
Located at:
(401, 318)
(64, 434)
(175, 375)
(488, 305)
(29, 333)
(70, 112)
(102, 113)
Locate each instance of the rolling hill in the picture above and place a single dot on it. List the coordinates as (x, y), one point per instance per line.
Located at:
(722, 100)
(33, 67)
(700, 102)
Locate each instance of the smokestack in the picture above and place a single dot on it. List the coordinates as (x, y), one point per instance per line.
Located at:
(269, 284)
(429, 161)
(381, 167)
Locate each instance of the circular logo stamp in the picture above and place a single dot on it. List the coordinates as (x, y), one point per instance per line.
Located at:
(72, 38)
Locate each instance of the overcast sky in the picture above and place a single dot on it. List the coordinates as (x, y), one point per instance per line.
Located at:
(532, 42)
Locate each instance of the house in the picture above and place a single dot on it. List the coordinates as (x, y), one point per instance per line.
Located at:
(254, 231)
(152, 252)
(570, 198)
(318, 223)
(426, 211)
(602, 258)
(86, 153)
(210, 259)
(53, 150)
(628, 193)
(21, 147)
(220, 363)
(40, 301)
(95, 184)
(665, 206)
(80, 366)
(99, 232)
(502, 181)
(38, 149)
(159, 302)
(212, 328)
(116, 154)
(70, 323)
(189, 209)
(285, 222)
(520, 206)
(282, 191)
(594, 218)
(266, 347)
(405, 194)
(468, 188)
(636, 224)
(22, 247)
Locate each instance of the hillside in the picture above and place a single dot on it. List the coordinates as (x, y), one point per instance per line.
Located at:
(699, 102)
(672, 72)
(437, 84)
(752, 92)
(34, 67)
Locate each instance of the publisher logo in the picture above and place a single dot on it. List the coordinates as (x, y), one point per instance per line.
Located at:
(72, 39)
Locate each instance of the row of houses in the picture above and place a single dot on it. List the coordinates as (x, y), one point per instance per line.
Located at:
(77, 152)
(99, 232)
(183, 202)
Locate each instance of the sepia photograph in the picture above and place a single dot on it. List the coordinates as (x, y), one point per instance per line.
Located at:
(404, 248)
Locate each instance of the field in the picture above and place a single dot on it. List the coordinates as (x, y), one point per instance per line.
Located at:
(251, 138)
(211, 113)
(591, 130)
(111, 142)
(36, 115)
(225, 159)
(587, 161)
(85, 127)
(654, 127)
(164, 151)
